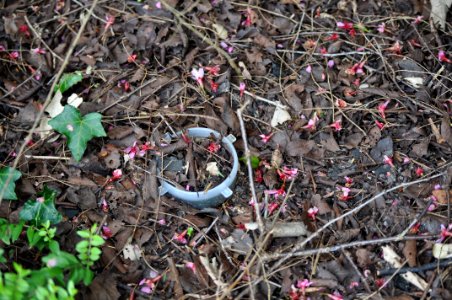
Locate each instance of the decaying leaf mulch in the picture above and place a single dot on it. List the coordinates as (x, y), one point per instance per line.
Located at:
(352, 95)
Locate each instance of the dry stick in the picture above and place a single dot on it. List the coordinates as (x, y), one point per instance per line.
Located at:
(204, 38)
(250, 168)
(49, 95)
(38, 36)
(293, 252)
(426, 267)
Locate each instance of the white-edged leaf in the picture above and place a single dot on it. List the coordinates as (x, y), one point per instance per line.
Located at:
(131, 252)
(439, 11)
(280, 115)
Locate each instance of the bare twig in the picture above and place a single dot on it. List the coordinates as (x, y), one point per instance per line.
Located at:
(294, 251)
(250, 168)
(426, 267)
(49, 95)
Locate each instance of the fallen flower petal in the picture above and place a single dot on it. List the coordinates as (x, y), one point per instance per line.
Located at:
(335, 296)
(131, 58)
(181, 238)
(382, 108)
(379, 124)
(442, 57)
(445, 233)
(213, 147)
(303, 284)
(14, 55)
(198, 75)
(344, 25)
(312, 212)
(191, 266)
(381, 27)
(242, 87)
(388, 160)
(266, 138)
(330, 63)
(419, 171)
(396, 48)
(337, 125)
(213, 71)
(38, 50)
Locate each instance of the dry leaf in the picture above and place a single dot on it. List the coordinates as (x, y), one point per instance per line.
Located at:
(441, 251)
(212, 168)
(55, 108)
(131, 252)
(441, 196)
(439, 11)
(280, 116)
(395, 261)
(415, 82)
(213, 271)
(221, 31)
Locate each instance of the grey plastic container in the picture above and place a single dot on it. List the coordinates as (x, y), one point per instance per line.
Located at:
(218, 194)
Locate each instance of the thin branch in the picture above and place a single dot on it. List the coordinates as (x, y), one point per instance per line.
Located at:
(250, 168)
(426, 267)
(294, 251)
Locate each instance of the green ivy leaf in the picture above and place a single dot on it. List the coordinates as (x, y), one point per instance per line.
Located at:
(4, 174)
(78, 130)
(68, 80)
(42, 209)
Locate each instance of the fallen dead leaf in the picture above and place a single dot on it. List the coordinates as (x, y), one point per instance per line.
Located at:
(280, 115)
(441, 196)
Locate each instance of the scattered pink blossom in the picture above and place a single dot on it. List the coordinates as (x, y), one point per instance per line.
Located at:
(337, 125)
(272, 207)
(226, 47)
(396, 48)
(106, 232)
(266, 137)
(330, 63)
(248, 17)
(356, 69)
(40, 199)
(213, 85)
(312, 123)
(312, 212)
(353, 284)
(213, 147)
(117, 174)
(14, 55)
(287, 173)
(2, 48)
(131, 58)
(191, 266)
(418, 20)
(344, 25)
(333, 37)
(415, 43)
(335, 296)
(419, 171)
(162, 221)
(380, 282)
(442, 57)
(341, 103)
(382, 108)
(445, 233)
(381, 27)
(345, 193)
(323, 51)
(406, 160)
(24, 29)
(388, 160)
(303, 284)
(123, 83)
(181, 237)
(213, 70)
(348, 181)
(198, 75)
(39, 50)
(134, 150)
(104, 205)
(158, 5)
(242, 87)
(258, 176)
(276, 193)
(309, 69)
(110, 21)
(379, 124)
(437, 187)
(147, 285)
